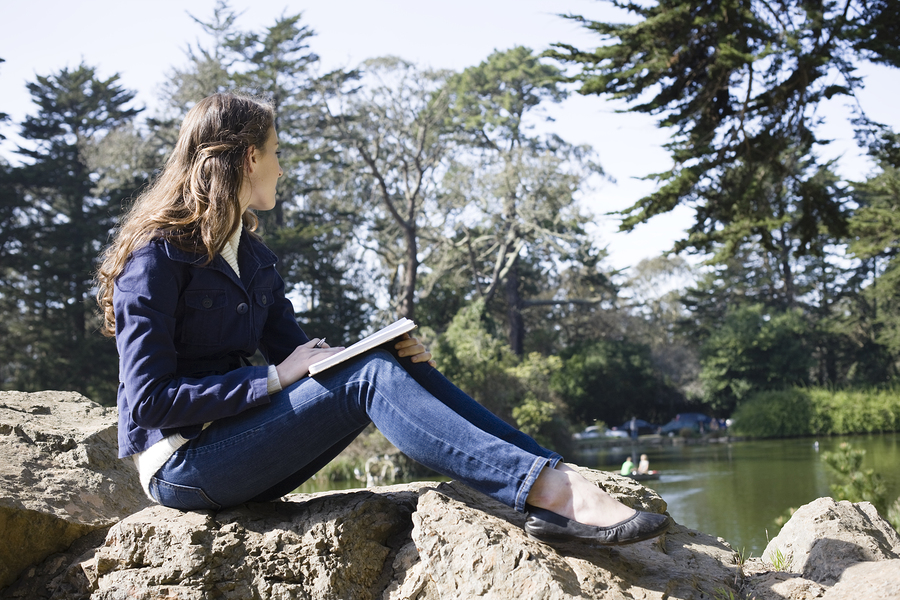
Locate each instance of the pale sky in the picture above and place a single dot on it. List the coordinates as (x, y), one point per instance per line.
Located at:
(142, 41)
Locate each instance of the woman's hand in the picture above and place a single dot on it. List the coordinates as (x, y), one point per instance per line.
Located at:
(410, 347)
(296, 366)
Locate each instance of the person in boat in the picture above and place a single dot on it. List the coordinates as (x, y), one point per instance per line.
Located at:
(627, 467)
(643, 465)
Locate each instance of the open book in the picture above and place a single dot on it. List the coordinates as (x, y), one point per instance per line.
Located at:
(394, 330)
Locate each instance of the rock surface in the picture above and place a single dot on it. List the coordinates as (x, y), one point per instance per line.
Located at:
(425, 540)
(823, 538)
(62, 485)
(60, 478)
(830, 550)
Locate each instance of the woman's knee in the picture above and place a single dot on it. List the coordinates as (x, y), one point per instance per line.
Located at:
(380, 358)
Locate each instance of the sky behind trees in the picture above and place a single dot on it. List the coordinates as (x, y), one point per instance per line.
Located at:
(143, 42)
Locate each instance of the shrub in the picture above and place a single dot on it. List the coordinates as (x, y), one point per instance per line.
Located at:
(518, 390)
(775, 413)
(854, 483)
(818, 411)
(753, 349)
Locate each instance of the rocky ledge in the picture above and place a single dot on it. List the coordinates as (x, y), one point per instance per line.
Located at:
(423, 541)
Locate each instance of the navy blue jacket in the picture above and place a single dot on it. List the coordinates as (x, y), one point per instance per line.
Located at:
(183, 332)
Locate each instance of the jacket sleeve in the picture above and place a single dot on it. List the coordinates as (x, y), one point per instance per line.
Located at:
(145, 300)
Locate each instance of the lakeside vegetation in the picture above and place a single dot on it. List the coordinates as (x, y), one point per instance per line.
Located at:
(801, 411)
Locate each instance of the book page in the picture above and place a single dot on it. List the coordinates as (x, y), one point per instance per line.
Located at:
(394, 330)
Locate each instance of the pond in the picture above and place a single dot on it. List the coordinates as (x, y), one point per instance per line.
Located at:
(736, 490)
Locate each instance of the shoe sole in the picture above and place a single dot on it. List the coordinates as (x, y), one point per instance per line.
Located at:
(551, 541)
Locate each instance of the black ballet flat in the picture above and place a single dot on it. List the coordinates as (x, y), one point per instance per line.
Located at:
(549, 527)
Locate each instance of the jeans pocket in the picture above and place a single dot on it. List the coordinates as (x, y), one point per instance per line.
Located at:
(182, 497)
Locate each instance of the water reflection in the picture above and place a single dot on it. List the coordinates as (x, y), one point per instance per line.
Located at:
(736, 490)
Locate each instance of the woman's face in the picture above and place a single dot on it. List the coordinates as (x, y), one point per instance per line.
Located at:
(264, 172)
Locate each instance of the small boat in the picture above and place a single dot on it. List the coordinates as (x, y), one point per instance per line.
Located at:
(644, 476)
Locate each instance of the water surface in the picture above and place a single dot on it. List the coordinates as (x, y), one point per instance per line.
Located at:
(736, 490)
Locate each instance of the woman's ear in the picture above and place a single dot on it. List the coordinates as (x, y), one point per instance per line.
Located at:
(251, 159)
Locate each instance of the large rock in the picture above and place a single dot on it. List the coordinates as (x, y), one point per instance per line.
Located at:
(424, 541)
(60, 478)
(823, 538)
(63, 488)
(829, 550)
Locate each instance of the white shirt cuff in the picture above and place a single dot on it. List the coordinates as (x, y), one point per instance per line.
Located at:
(273, 384)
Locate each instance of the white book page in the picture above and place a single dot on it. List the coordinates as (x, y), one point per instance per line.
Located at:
(394, 330)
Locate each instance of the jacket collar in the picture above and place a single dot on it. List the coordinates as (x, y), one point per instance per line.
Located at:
(252, 256)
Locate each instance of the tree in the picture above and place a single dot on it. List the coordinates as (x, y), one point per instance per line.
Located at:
(471, 354)
(393, 128)
(514, 197)
(276, 65)
(875, 230)
(207, 71)
(611, 381)
(66, 201)
(517, 389)
(658, 313)
(754, 349)
(739, 82)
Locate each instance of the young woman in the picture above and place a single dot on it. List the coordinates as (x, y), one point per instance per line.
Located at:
(190, 292)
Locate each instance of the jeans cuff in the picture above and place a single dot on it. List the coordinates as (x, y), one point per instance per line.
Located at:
(540, 462)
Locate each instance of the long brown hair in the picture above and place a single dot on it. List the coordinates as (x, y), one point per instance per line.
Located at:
(194, 202)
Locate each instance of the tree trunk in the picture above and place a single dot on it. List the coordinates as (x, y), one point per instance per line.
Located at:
(514, 312)
(407, 302)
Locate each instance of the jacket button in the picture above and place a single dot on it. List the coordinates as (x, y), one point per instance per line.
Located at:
(265, 300)
(242, 308)
(207, 302)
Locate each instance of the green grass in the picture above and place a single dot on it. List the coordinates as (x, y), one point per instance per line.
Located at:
(779, 560)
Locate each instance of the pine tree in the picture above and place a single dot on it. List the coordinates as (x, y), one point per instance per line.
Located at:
(60, 218)
(739, 83)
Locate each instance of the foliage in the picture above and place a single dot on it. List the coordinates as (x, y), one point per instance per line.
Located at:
(311, 226)
(875, 230)
(739, 84)
(407, 189)
(612, 380)
(753, 349)
(855, 483)
(776, 413)
(658, 312)
(392, 129)
(856, 411)
(893, 514)
(471, 355)
(779, 560)
(800, 411)
(539, 411)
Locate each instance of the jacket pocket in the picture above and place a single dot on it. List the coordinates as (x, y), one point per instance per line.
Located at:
(204, 317)
(263, 299)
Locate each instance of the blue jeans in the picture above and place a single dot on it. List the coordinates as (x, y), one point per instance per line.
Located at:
(267, 451)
